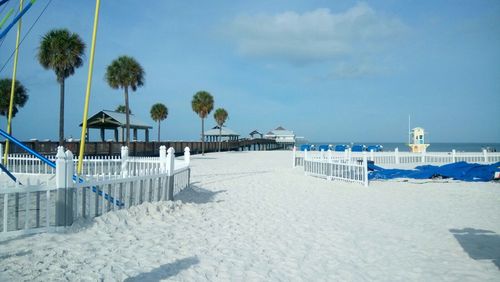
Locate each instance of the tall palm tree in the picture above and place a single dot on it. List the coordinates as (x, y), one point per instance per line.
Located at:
(125, 72)
(20, 96)
(202, 104)
(220, 117)
(121, 109)
(61, 51)
(159, 112)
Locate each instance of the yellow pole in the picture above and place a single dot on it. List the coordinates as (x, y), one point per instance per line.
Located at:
(87, 92)
(13, 85)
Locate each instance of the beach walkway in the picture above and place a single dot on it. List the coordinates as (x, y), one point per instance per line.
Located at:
(250, 216)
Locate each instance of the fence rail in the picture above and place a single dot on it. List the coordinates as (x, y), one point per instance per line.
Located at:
(112, 184)
(397, 157)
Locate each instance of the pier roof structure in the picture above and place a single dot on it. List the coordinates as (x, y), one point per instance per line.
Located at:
(112, 120)
(225, 133)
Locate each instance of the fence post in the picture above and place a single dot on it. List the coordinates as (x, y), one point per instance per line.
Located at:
(330, 165)
(349, 151)
(454, 155)
(365, 170)
(70, 188)
(170, 167)
(187, 156)
(396, 155)
(485, 153)
(124, 155)
(294, 150)
(1, 154)
(372, 155)
(423, 156)
(305, 159)
(61, 184)
(163, 159)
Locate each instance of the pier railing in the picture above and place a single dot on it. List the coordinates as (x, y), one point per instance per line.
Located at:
(34, 207)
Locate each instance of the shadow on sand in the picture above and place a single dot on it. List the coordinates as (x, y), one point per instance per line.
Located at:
(165, 271)
(197, 195)
(479, 244)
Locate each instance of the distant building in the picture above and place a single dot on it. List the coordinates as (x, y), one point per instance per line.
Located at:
(256, 134)
(226, 134)
(417, 140)
(282, 136)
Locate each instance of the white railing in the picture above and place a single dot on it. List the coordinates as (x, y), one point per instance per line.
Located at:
(26, 209)
(397, 157)
(339, 169)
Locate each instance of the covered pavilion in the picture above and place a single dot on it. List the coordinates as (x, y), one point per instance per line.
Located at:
(111, 120)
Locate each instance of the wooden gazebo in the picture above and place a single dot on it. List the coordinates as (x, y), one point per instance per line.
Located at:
(227, 134)
(111, 120)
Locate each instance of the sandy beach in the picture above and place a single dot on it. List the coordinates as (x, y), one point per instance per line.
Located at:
(249, 216)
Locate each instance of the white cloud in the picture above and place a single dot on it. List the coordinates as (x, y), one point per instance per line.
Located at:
(316, 35)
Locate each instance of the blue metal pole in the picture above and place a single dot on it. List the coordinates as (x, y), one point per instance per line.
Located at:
(3, 2)
(16, 19)
(27, 149)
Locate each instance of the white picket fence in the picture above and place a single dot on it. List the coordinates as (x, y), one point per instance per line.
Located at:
(353, 166)
(332, 167)
(27, 208)
(396, 157)
(93, 165)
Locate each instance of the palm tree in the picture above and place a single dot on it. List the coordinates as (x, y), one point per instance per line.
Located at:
(125, 72)
(121, 109)
(20, 96)
(61, 51)
(159, 112)
(220, 117)
(202, 104)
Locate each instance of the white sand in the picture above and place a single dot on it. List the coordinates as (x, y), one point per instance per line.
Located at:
(249, 216)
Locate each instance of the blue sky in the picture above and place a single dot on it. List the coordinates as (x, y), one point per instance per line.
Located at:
(329, 70)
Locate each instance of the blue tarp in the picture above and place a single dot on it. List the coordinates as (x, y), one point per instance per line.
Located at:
(358, 148)
(323, 147)
(341, 148)
(375, 148)
(305, 147)
(459, 171)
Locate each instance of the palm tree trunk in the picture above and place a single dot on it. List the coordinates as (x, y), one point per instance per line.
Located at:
(127, 117)
(202, 136)
(61, 113)
(220, 136)
(158, 131)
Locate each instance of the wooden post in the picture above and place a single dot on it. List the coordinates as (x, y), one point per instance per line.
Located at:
(124, 155)
(170, 167)
(187, 156)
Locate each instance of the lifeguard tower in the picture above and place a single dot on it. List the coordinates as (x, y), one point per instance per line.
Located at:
(417, 140)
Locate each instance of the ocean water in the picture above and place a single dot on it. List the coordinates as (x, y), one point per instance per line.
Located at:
(434, 147)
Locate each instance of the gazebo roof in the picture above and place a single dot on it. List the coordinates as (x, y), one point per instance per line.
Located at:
(225, 132)
(255, 132)
(112, 119)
